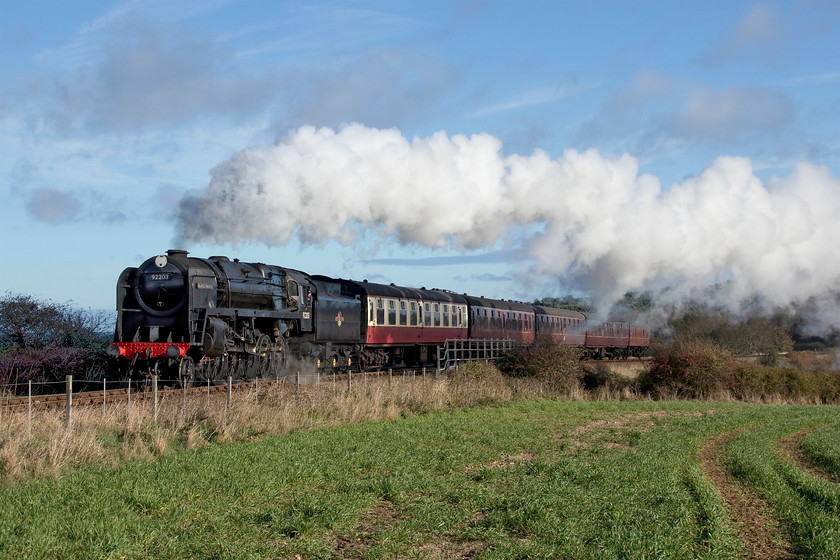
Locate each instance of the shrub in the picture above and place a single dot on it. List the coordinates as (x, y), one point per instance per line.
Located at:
(558, 366)
(811, 360)
(755, 382)
(40, 365)
(692, 369)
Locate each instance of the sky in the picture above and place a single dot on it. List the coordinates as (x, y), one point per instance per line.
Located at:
(509, 149)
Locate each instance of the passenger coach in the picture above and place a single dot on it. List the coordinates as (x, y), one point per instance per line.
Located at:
(405, 325)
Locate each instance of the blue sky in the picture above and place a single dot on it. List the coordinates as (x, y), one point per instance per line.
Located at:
(114, 116)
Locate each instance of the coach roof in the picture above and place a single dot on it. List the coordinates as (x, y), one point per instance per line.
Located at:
(372, 289)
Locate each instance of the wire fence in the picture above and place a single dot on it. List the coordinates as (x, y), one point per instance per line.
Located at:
(71, 394)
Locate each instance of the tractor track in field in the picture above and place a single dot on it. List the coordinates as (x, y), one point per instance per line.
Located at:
(791, 450)
(750, 515)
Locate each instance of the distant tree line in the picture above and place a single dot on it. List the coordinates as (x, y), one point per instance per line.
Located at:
(43, 341)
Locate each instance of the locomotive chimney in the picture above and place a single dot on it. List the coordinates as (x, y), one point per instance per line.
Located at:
(173, 252)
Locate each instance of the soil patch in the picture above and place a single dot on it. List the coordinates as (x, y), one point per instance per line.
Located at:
(595, 432)
(792, 450)
(751, 516)
(506, 462)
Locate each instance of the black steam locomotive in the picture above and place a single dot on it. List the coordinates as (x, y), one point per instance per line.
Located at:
(189, 319)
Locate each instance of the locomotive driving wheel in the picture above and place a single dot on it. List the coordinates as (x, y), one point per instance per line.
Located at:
(186, 372)
(258, 360)
(274, 362)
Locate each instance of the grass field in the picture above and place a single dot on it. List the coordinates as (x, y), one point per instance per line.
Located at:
(536, 478)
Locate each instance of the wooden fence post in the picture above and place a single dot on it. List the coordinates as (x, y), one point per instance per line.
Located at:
(30, 410)
(154, 398)
(68, 381)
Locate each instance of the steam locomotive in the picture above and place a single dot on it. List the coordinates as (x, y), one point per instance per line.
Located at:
(190, 319)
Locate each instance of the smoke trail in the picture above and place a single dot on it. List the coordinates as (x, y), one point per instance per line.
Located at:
(603, 226)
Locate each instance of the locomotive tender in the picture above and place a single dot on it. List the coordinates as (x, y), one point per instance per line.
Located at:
(191, 319)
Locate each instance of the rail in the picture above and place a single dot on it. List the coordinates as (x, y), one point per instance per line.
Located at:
(455, 351)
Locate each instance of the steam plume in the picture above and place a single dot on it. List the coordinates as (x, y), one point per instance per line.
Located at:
(602, 225)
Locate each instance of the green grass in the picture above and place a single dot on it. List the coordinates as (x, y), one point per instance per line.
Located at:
(822, 447)
(530, 479)
(808, 506)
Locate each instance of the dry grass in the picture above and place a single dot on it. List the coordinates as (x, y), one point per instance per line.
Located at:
(47, 447)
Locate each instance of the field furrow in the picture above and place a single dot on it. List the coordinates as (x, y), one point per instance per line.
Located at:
(753, 518)
(791, 449)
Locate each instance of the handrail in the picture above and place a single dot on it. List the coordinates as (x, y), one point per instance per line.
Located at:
(455, 351)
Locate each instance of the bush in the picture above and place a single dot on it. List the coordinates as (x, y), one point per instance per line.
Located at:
(558, 366)
(693, 369)
(601, 377)
(761, 383)
(52, 364)
(44, 341)
(811, 361)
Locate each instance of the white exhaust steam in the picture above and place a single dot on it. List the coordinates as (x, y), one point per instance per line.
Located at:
(601, 225)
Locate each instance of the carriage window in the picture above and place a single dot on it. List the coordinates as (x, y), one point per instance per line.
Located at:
(437, 314)
(371, 314)
(413, 316)
(427, 316)
(403, 314)
(392, 312)
(380, 312)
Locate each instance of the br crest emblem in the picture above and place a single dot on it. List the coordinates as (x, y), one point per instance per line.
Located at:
(339, 318)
